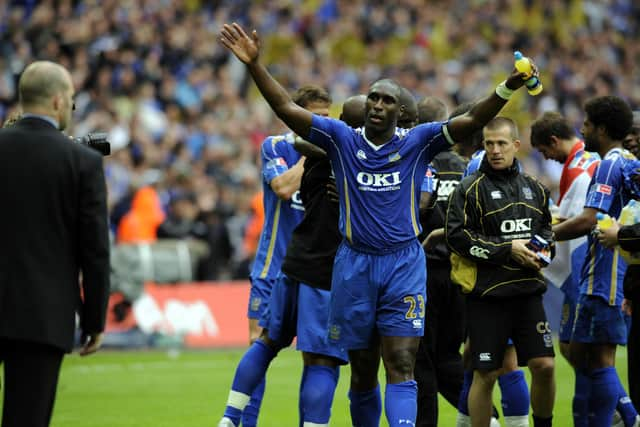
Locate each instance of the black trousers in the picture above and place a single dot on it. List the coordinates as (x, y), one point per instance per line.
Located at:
(438, 362)
(30, 380)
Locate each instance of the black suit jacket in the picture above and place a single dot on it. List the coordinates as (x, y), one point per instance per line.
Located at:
(53, 225)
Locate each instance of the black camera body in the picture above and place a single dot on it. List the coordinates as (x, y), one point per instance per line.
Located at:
(96, 140)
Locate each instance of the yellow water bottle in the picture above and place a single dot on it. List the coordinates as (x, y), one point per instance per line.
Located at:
(523, 65)
(604, 220)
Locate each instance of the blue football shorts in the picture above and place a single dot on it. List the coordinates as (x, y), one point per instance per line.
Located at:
(597, 322)
(296, 309)
(259, 297)
(383, 293)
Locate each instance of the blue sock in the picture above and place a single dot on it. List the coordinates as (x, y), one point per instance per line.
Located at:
(317, 393)
(365, 407)
(252, 410)
(463, 405)
(625, 406)
(581, 397)
(604, 395)
(249, 374)
(303, 380)
(515, 394)
(400, 403)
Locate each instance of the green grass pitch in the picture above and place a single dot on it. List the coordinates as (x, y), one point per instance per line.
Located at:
(184, 389)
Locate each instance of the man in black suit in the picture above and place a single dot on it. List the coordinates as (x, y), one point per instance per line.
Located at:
(53, 226)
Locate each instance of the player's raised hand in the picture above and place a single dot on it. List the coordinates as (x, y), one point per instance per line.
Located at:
(245, 48)
(517, 79)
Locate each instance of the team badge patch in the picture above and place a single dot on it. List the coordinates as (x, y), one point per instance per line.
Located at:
(394, 157)
(528, 194)
(604, 189)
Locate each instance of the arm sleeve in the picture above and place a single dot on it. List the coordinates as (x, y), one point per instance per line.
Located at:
(545, 230)
(462, 221)
(273, 158)
(430, 181)
(629, 237)
(94, 245)
(326, 133)
(435, 136)
(604, 185)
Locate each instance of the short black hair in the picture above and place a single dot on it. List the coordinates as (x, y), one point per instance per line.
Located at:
(550, 124)
(612, 113)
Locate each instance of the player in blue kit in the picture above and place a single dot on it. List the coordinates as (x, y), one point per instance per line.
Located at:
(599, 325)
(379, 274)
(282, 169)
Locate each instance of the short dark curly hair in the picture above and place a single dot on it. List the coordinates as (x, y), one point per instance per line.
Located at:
(612, 113)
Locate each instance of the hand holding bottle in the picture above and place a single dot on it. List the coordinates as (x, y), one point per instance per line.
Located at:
(526, 66)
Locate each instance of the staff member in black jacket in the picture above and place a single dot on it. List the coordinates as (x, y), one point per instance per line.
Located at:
(628, 237)
(53, 226)
(492, 215)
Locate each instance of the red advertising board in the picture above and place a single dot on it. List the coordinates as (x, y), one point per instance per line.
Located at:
(212, 314)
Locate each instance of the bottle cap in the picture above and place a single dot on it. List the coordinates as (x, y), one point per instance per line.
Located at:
(599, 216)
(517, 55)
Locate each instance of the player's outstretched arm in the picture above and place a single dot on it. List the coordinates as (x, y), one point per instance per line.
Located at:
(577, 226)
(462, 127)
(247, 49)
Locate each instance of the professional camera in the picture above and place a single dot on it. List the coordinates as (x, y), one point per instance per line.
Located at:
(96, 140)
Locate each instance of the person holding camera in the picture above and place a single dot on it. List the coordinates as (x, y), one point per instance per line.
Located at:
(54, 229)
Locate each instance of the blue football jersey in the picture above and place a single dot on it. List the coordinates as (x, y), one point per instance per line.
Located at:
(379, 187)
(603, 270)
(280, 216)
(474, 163)
(430, 182)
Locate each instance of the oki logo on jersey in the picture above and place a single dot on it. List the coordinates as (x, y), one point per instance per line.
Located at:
(379, 181)
(604, 189)
(445, 188)
(515, 225)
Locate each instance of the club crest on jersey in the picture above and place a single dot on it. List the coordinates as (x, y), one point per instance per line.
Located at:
(496, 195)
(528, 194)
(394, 157)
(334, 332)
(360, 154)
(604, 189)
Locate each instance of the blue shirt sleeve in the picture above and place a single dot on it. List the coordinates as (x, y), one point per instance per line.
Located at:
(605, 185)
(273, 154)
(429, 181)
(326, 132)
(434, 135)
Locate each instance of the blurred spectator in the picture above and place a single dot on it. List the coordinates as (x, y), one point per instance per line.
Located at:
(154, 76)
(141, 223)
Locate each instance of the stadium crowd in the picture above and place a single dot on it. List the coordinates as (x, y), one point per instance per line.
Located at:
(178, 110)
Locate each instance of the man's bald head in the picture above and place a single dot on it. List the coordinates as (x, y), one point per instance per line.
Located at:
(431, 109)
(46, 88)
(409, 114)
(40, 81)
(353, 111)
